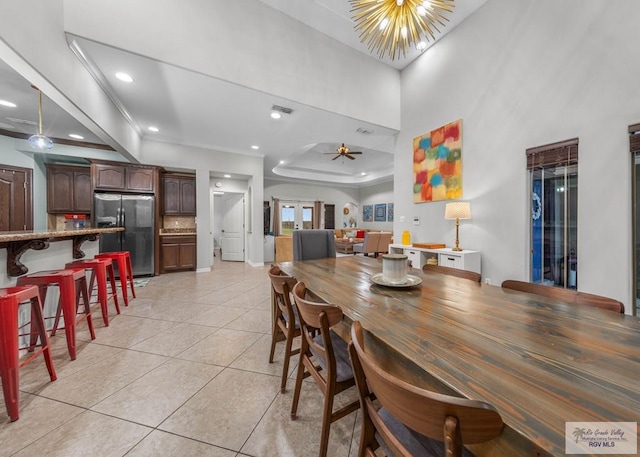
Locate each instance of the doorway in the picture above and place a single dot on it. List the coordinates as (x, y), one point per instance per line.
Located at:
(232, 232)
(16, 211)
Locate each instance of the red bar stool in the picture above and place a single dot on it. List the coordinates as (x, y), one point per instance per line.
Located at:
(10, 300)
(122, 260)
(72, 284)
(101, 270)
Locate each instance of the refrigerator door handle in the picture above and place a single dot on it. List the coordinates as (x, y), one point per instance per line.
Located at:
(123, 223)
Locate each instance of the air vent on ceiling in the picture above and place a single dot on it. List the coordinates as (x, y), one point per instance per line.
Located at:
(364, 131)
(281, 109)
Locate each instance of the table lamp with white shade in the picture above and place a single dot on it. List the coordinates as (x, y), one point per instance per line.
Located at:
(457, 211)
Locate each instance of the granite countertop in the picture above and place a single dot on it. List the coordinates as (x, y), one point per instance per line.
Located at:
(46, 234)
(177, 231)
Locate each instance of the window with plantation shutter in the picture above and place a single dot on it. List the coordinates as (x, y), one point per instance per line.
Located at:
(553, 172)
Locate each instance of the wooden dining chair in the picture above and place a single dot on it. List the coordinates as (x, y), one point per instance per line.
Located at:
(332, 370)
(285, 319)
(565, 295)
(411, 421)
(471, 275)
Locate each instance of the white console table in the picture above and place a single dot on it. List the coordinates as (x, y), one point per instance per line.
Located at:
(447, 257)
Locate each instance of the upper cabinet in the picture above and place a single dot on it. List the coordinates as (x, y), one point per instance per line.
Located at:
(179, 195)
(68, 189)
(128, 178)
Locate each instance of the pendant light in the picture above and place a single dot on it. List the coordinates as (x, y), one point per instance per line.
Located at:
(40, 141)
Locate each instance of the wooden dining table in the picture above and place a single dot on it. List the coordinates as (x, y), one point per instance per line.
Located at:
(540, 362)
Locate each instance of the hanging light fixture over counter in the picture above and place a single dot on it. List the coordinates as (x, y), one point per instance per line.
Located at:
(392, 26)
(40, 141)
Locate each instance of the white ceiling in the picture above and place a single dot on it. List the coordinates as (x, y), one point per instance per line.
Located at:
(198, 110)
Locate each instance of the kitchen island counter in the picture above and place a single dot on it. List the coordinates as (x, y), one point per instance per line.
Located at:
(18, 242)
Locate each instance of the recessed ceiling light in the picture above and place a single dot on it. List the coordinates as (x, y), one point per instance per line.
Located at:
(7, 104)
(363, 174)
(153, 129)
(227, 176)
(124, 77)
(282, 162)
(255, 147)
(75, 136)
(275, 115)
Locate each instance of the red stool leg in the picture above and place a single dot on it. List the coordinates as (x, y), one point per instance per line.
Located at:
(9, 359)
(122, 269)
(38, 322)
(81, 293)
(114, 290)
(130, 273)
(99, 273)
(68, 304)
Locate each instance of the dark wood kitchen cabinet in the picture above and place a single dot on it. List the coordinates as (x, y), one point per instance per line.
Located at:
(178, 252)
(179, 195)
(68, 189)
(128, 178)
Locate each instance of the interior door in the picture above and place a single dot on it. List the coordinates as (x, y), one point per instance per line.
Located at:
(15, 199)
(232, 240)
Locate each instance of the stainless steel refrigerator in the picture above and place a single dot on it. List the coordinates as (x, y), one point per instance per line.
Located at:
(136, 214)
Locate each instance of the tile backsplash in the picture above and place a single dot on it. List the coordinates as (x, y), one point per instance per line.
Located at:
(182, 222)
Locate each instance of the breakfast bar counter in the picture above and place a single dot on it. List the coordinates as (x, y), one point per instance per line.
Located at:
(18, 242)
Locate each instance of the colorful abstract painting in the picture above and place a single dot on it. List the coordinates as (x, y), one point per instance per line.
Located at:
(437, 164)
(389, 212)
(367, 213)
(380, 214)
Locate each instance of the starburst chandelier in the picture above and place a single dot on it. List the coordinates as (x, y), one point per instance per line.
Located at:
(392, 26)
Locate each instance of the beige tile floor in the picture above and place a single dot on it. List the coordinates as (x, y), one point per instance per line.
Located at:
(182, 371)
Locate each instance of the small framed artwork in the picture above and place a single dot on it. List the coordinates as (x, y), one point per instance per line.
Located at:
(380, 214)
(367, 213)
(390, 212)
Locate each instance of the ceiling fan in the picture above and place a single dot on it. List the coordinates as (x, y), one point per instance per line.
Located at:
(344, 151)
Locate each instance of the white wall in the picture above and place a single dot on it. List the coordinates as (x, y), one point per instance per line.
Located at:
(18, 153)
(206, 161)
(271, 51)
(310, 192)
(524, 73)
(32, 42)
(377, 193)
(337, 195)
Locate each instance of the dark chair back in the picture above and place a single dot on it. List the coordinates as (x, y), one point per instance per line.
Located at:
(440, 421)
(566, 295)
(313, 244)
(471, 275)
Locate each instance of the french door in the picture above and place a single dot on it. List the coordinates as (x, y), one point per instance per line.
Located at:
(294, 216)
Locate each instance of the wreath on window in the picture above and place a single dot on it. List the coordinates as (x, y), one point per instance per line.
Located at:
(536, 207)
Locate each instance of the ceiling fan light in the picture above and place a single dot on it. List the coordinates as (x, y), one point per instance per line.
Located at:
(40, 142)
